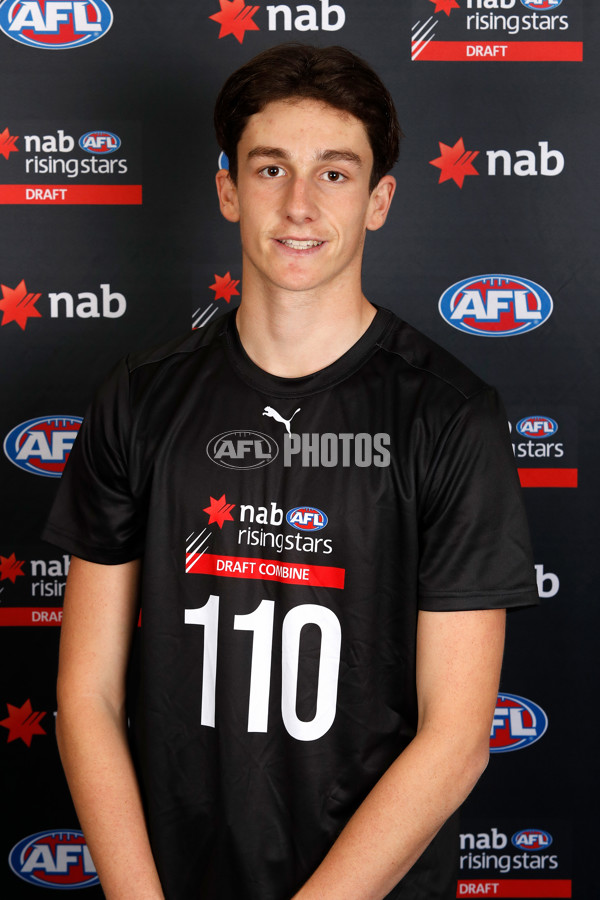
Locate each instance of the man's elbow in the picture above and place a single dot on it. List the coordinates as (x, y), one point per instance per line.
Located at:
(475, 761)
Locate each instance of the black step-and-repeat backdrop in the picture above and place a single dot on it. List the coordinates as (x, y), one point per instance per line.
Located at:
(111, 240)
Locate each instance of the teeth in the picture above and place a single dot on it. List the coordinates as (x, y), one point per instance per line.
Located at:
(301, 245)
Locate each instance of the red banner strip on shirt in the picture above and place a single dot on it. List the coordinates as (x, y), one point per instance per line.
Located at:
(265, 570)
(515, 888)
(88, 194)
(540, 478)
(30, 615)
(498, 51)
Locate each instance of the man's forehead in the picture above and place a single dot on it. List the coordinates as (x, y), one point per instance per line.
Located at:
(283, 124)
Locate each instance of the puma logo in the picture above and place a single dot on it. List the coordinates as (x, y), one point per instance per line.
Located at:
(269, 411)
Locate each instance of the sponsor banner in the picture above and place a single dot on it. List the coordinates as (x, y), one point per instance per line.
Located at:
(57, 162)
(510, 51)
(548, 478)
(497, 31)
(495, 306)
(235, 18)
(41, 446)
(57, 859)
(30, 580)
(457, 162)
(18, 304)
(23, 723)
(73, 195)
(518, 888)
(24, 616)
(55, 24)
(504, 859)
(217, 290)
(265, 570)
(508, 860)
(517, 723)
(545, 446)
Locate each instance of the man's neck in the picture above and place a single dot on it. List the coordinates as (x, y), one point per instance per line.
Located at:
(293, 335)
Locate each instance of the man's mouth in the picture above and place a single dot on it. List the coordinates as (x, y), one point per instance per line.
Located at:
(299, 245)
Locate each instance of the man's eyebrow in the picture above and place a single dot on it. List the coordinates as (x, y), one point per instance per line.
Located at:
(268, 152)
(339, 156)
(320, 156)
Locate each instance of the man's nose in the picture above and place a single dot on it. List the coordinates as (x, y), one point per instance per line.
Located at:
(300, 201)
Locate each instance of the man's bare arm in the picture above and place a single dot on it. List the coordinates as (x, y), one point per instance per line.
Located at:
(459, 656)
(100, 613)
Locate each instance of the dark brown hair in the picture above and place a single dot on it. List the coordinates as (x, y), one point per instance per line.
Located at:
(332, 75)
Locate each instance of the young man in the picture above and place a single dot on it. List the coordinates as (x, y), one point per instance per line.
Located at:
(317, 511)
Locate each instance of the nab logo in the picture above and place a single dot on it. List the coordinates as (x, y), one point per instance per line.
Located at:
(236, 18)
(517, 723)
(495, 305)
(54, 859)
(537, 427)
(55, 24)
(456, 163)
(531, 839)
(100, 142)
(306, 518)
(42, 446)
(541, 4)
(242, 449)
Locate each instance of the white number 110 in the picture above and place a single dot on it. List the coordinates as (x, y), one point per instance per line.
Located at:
(260, 622)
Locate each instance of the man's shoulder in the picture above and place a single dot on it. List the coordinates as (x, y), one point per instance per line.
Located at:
(179, 348)
(428, 360)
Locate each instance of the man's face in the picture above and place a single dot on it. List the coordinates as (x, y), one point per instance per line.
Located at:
(302, 196)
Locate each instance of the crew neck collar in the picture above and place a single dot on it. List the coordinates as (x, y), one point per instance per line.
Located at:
(277, 386)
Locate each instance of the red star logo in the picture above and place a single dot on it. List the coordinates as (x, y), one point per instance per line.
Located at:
(7, 143)
(219, 511)
(445, 6)
(11, 567)
(235, 18)
(225, 287)
(23, 723)
(18, 305)
(455, 162)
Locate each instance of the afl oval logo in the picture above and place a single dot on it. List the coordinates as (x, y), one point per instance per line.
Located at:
(306, 518)
(537, 427)
(42, 446)
(517, 723)
(541, 4)
(242, 449)
(495, 305)
(55, 24)
(54, 859)
(531, 839)
(100, 142)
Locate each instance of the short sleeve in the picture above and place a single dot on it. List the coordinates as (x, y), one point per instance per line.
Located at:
(96, 514)
(475, 549)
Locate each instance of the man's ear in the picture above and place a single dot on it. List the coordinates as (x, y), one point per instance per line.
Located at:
(228, 198)
(380, 202)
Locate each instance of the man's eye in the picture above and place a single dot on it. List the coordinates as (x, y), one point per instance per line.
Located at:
(272, 172)
(334, 176)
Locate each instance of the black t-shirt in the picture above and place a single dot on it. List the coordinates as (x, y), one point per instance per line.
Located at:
(290, 529)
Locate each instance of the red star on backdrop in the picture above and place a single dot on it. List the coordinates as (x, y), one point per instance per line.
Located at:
(225, 287)
(219, 511)
(11, 567)
(445, 6)
(455, 162)
(18, 305)
(235, 18)
(23, 723)
(8, 143)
